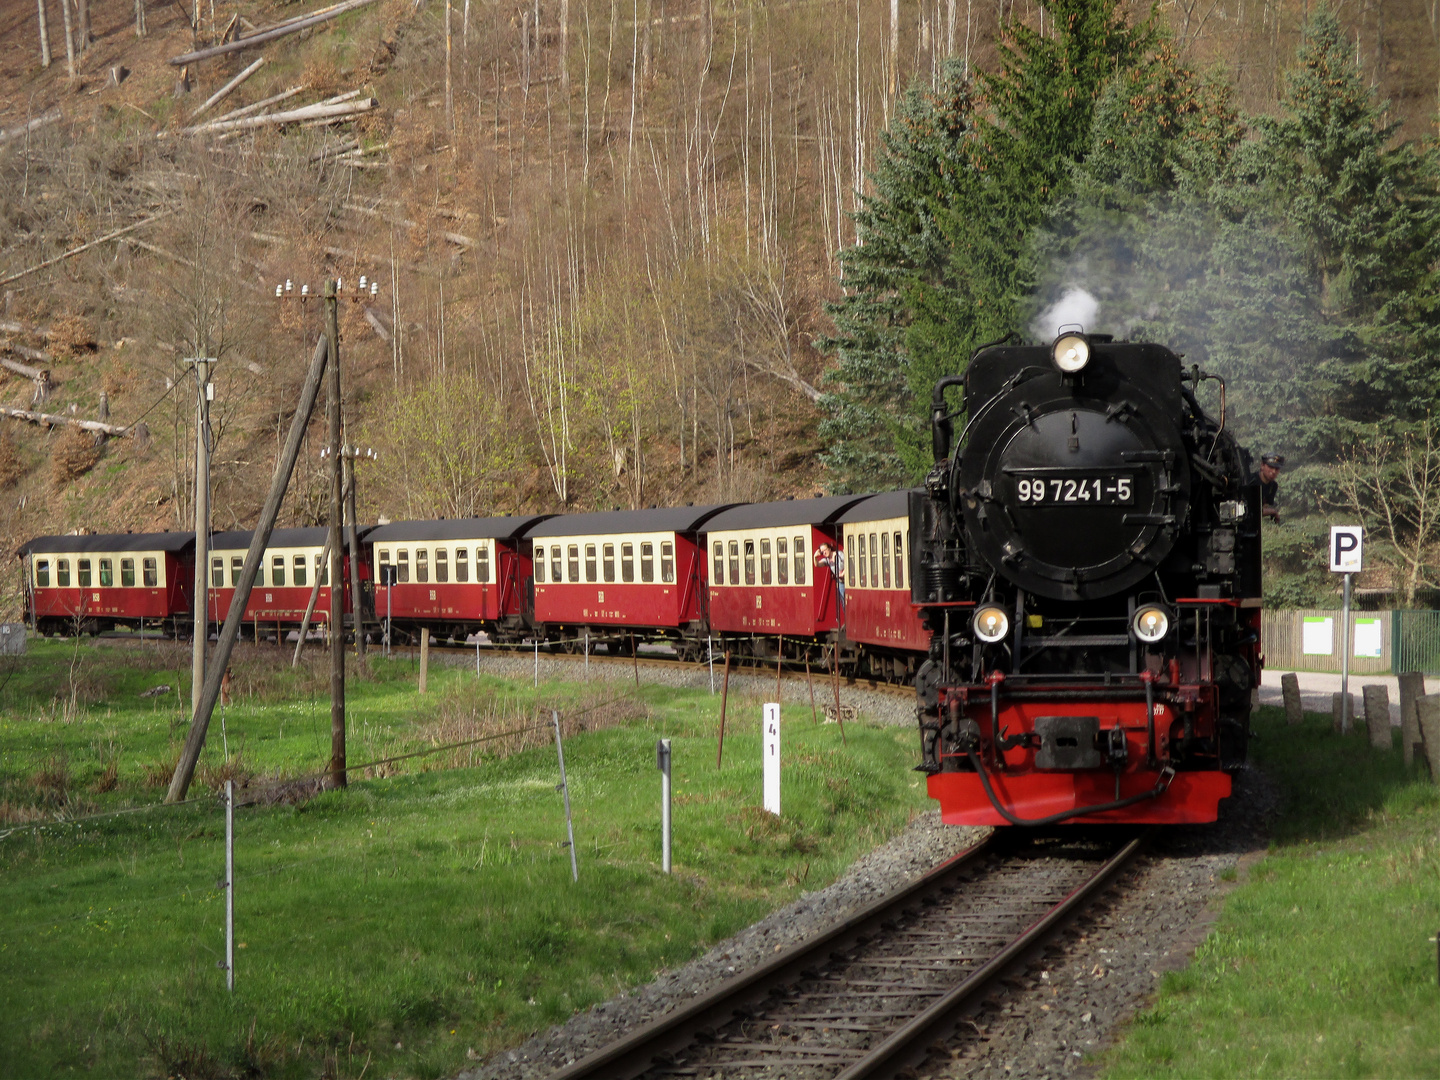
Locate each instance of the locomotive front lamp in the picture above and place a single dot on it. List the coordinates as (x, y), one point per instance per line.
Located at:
(1071, 352)
(992, 624)
(1151, 624)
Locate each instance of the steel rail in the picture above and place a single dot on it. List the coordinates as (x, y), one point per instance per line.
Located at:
(636, 1052)
(913, 1041)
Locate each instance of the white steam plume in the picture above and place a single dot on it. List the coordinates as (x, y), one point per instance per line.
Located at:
(1075, 306)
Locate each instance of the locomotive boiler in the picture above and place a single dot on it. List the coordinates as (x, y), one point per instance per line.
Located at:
(1088, 562)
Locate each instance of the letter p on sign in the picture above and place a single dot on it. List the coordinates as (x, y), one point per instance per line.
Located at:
(1346, 548)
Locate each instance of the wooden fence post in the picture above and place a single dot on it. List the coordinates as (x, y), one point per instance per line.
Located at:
(424, 656)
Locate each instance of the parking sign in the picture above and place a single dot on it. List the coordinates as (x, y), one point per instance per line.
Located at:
(1345, 548)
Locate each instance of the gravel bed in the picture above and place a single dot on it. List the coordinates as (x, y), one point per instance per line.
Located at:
(921, 846)
(871, 706)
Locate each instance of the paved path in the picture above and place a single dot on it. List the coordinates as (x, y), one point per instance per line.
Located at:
(1317, 686)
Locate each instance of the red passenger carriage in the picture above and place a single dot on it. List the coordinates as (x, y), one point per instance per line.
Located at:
(883, 631)
(622, 576)
(288, 571)
(454, 577)
(764, 582)
(92, 583)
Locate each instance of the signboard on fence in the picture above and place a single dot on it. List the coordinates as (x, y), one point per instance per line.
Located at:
(1369, 638)
(1318, 636)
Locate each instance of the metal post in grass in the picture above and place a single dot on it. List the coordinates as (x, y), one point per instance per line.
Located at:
(814, 713)
(229, 964)
(724, 698)
(587, 655)
(662, 762)
(537, 663)
(564, 787)
(477, 654)
(635, 660)
(710, 655)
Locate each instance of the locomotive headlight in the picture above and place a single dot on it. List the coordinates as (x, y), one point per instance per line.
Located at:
(991, 624)
(1151, 624)
(1071, 352)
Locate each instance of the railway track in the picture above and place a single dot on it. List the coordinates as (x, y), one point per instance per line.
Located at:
(874, 993)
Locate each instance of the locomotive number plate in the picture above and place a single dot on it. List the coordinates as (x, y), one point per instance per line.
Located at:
(1076, 491)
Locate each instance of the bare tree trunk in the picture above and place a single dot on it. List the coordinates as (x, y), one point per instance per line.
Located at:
(449, 91)
(44, 34)
(564, 47)
(69, 39)
(894, 45)
(139, 18)
(83, 6)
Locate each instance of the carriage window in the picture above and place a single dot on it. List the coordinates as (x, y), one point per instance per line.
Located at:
(277, 571)
(402, 565)
(322, 570)
(765, 562)
(609, 562)
(539, 565)
(147, 569)
(382, 566)
(667, 561)
(107, 574)
(782, 561)
(42, 574)
(62, 573)
(590, 574)
(627, 562)
(734, 562)
(574, 562)
(442, 565)
(237, 564)
(301, 577)
(555, 574)
(719, 563)
(874, 562)
(861, 560)
(899, 564)
(217, 573)
(749, 562)
(647, 562)
(885, 558)
(82, 572)
(422, 564)
(482, 563)
(799, 560)
(462, 564)
(127, 573)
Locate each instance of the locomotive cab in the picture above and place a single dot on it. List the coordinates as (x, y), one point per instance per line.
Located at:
(1088, 562)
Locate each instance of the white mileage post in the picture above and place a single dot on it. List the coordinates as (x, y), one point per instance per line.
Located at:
(770, 748)
(1346, 557)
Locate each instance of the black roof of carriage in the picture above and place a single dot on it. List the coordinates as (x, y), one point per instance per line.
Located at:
(678, 519)
(821, 511)
(162, 541)
(239, 539)
(483, 528)
(888, 504)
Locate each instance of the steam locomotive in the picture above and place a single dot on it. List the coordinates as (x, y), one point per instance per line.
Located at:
(1088, 563)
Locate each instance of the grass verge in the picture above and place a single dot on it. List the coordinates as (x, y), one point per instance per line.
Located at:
(419, 920)
(1323, 962)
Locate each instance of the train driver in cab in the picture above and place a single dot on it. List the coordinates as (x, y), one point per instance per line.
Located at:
(1270, 486)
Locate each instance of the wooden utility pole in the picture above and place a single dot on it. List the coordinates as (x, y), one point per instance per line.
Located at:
(201, 602)
(337, 561)
(200, 722)
(352, 540)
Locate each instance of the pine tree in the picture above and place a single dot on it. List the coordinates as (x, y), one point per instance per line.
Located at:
(943, 261)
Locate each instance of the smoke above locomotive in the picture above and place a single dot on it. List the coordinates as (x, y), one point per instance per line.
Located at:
(1087, 558)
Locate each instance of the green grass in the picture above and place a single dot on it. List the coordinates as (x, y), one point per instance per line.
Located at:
(396, 926)
(1323, 963)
